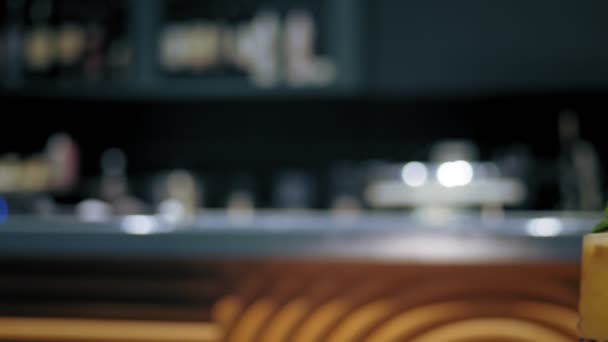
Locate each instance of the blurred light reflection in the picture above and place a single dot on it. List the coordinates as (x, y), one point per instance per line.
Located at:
(455, 173)
(139, 224)
(544, 227)
(414, 174)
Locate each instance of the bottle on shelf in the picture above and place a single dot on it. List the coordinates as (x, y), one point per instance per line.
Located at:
(180, 197)
(93, 52)
(63, 158)
(56, 170)
(293, 190)
(39, 48)
(259, 45)
(114, 184)
(266, 47)
(71, 41)
(345, 191)
(119, 58)
(240, 206)
(303, 66)
(13, 43)
(10, 173)
(579, 166)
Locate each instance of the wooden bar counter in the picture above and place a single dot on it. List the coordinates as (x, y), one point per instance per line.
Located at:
(292, 277)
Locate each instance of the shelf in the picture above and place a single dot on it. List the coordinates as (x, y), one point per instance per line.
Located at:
(191, 89)
(144, 80)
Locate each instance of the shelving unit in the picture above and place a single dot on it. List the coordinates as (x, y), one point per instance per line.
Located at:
(145, 79)
(383, 48)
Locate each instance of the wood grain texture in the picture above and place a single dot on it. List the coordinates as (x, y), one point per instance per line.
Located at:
(295, 301)
(49, 329)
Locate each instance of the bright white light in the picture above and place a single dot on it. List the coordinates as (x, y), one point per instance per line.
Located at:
(414, 174)
(456, 173)
(139, 224)
(544, 226)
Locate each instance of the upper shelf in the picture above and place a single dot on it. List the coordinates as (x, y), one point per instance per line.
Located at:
(389, 48)
(148, 38)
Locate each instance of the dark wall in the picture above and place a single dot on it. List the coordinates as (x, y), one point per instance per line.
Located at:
(269, 134)
(478, 46)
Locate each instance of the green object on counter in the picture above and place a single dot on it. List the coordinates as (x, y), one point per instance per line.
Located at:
(602, 227)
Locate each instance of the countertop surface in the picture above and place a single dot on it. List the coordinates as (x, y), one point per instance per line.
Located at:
(400, 237)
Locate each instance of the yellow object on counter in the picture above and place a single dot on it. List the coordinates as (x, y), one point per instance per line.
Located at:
(594, 287)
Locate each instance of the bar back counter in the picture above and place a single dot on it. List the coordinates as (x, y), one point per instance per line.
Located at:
(297, 276)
